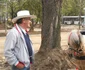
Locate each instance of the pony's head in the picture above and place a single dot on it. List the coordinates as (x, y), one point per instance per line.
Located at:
(75, 41)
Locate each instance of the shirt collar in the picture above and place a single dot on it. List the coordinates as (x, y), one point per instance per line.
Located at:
(23, 30)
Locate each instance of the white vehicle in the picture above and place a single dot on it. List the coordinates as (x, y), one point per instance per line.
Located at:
(67, 22)
(76, 22)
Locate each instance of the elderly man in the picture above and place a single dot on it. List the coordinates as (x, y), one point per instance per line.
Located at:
(18, 48)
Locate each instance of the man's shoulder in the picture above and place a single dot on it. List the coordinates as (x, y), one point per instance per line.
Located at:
(13, 31)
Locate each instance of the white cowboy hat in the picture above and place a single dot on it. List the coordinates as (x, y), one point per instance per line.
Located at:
(23, 14)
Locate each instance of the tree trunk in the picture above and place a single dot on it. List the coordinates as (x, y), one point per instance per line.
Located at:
(50, 24)
(48, 58)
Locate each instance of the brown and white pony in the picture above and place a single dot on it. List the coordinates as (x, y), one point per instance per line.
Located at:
(76, 43)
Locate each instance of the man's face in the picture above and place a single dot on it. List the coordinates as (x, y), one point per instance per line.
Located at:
(27, 22)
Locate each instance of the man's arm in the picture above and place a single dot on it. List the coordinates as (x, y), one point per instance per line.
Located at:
(9, 47)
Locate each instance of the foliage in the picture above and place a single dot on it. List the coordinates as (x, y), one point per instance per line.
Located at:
(69, 7)
(72, 7)
(34, 6)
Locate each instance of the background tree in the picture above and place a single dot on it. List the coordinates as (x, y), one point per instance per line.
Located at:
(71, 7)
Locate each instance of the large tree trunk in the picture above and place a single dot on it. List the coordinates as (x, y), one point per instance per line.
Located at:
(50, 23)
(48, 58)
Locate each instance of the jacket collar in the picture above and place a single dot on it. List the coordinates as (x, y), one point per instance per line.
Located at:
(19, 31)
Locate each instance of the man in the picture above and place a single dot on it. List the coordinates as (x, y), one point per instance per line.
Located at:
(18, 49)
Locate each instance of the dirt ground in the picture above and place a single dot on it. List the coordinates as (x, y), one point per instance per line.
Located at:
(57, 59)
(36, 40)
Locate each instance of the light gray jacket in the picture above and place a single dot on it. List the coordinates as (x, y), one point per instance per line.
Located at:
(16, 48)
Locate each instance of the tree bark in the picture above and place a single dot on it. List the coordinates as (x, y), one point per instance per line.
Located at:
(50, 24)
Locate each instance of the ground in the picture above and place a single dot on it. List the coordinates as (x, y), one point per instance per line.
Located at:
(36, 40)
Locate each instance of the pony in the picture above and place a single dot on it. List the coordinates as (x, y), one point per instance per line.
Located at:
(76, 47)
